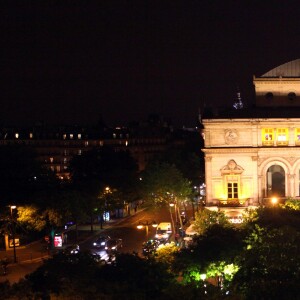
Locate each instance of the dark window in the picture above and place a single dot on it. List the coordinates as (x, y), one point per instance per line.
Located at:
(269, 96)
(232, 189)
(291, 96)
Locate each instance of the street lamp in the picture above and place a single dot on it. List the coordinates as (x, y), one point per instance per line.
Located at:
(173, 204)
(178, 219)
(13, 231)
(146, 224)
(274, 200)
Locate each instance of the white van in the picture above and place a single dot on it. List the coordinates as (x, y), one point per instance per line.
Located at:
(163, 231)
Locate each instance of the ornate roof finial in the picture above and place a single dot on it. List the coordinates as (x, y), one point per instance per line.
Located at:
(238, 103)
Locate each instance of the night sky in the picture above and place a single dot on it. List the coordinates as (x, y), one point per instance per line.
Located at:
(65, 62)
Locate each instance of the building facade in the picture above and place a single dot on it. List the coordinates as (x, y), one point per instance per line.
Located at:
(56, 146)
(253, 154)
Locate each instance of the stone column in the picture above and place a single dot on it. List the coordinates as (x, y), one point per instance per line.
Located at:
(291, 185)
(208, 182)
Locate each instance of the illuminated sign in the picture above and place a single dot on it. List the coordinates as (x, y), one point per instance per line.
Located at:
(236, 220)
(11, 243)
(58, 241)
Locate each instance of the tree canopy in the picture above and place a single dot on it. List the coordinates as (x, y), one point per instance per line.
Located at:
(163, 183)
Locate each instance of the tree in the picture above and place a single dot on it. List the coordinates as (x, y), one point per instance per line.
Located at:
(207, 218)
(292, 204)
(80, 276)
(30, 218)
(270, 264)
(166, 255)
(163, 184)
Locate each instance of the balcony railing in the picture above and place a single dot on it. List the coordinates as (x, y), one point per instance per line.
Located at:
(233, 203)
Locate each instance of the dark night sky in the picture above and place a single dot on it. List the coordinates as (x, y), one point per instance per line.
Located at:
(75, 61)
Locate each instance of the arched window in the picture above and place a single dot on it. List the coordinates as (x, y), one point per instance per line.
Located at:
(275, 181)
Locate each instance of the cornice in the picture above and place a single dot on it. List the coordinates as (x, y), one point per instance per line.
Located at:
(229, 150)
(284, 151)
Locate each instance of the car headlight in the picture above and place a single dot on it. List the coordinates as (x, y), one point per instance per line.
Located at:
(94, 244)
(103, 243)
(113, 247)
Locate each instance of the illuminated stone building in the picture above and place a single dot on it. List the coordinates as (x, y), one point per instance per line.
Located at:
(253, 154)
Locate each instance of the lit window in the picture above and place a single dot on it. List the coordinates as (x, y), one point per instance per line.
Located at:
(31, 135)
(282, 135)
(79, 152)
(114, 135)
(17, 135)
(268, 136)
(51, 160)
(232, 190)
(71, 136)
(79, 136)
(65, 160)
(64, 136)
(101, 143)
(126, 143)
(86, 143)
(297, 135)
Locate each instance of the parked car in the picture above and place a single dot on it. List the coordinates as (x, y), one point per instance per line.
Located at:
(101, 241)
(113, 245)
(150, 247)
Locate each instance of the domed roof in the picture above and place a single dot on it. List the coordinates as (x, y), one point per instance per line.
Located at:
(289, 69)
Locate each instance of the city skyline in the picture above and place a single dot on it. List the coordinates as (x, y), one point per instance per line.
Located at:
(123, 60)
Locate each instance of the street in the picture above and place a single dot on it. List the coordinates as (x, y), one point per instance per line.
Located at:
(31, 256)
(127, 230)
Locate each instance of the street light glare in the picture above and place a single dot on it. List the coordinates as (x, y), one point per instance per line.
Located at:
(274, 200)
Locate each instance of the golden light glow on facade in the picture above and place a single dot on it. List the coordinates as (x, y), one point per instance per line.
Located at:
(297, 136)
(251, 158)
